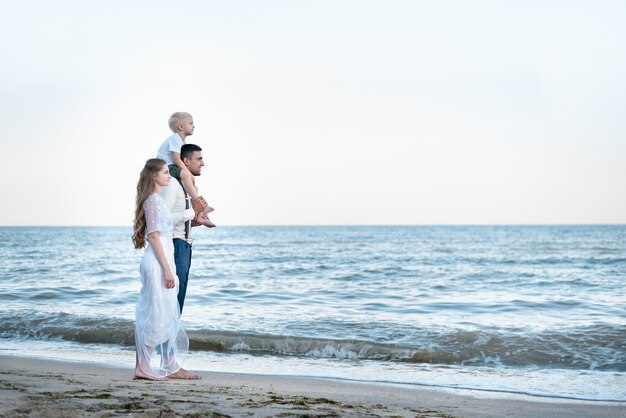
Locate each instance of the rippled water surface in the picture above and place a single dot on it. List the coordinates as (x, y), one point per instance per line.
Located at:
(532, 309)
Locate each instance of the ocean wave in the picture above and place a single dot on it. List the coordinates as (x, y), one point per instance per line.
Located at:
(68, 327)
(600, 347)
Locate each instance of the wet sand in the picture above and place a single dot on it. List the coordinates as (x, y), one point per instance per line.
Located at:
(31, 387)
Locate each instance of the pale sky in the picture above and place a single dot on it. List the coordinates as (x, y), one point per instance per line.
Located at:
(319, 112)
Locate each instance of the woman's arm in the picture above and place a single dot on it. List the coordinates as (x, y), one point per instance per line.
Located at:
(157, 248)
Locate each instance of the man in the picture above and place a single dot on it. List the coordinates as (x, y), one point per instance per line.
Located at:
(177, 199)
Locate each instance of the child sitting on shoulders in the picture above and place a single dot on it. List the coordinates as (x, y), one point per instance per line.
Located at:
(181, 124)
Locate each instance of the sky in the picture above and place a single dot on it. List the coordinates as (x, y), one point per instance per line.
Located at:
(319, 112)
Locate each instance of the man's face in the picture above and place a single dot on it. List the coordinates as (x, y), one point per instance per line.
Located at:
(195, 163)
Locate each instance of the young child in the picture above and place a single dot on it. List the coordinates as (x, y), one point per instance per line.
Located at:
(181, 124)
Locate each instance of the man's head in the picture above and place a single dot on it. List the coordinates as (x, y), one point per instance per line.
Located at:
(182, 124)
(191, 155)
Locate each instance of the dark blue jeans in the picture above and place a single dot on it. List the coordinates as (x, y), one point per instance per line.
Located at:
(182, 259)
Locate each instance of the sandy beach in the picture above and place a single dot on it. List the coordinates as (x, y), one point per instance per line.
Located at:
(34, 387)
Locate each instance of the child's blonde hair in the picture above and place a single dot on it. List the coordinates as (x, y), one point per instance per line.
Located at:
(176, 119)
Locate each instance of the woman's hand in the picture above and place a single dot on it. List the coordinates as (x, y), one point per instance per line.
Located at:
(170, 282)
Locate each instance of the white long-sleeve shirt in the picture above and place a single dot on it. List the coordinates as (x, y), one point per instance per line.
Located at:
(174, 197)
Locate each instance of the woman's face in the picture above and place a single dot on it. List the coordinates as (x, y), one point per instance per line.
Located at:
(162, 178)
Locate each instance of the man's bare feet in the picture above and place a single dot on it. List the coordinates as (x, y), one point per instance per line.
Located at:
(185, 375)
(139, 375)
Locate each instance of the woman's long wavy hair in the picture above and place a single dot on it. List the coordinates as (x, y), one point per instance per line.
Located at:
(145, 187)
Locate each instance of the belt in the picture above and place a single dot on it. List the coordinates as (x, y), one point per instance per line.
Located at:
(187, 240)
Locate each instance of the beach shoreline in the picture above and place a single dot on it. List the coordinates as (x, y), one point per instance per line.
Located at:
(49, 388)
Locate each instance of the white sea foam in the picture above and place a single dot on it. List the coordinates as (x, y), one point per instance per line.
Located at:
(240, 346)
(330, 351)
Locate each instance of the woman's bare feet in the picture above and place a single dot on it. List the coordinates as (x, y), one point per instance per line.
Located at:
(139, 375)
(184, 374)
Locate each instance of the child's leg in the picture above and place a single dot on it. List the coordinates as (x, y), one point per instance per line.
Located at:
(189, 183)
(174, 170)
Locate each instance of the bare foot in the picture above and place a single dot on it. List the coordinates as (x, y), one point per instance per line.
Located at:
(139, 375)
(207, 222)
(185, 375)
(203, 219)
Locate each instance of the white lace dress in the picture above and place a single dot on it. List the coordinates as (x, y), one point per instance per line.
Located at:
(159, 336)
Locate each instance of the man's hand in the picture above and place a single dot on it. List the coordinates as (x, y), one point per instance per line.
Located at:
(198, 204)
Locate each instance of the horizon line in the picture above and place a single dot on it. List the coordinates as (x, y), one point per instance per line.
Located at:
(334, 225)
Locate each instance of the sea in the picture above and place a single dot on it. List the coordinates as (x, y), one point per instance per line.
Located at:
(534, 310)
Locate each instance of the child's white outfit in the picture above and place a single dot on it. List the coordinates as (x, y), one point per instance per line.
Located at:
(172, 144)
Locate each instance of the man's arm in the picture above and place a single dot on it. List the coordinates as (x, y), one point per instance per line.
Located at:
(174, 198)
(174, 193)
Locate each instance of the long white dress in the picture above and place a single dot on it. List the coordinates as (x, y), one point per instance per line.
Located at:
(159, 336)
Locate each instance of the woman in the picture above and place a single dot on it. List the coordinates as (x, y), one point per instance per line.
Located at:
(157, 315)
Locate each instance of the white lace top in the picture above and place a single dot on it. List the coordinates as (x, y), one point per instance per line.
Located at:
(158, 216)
